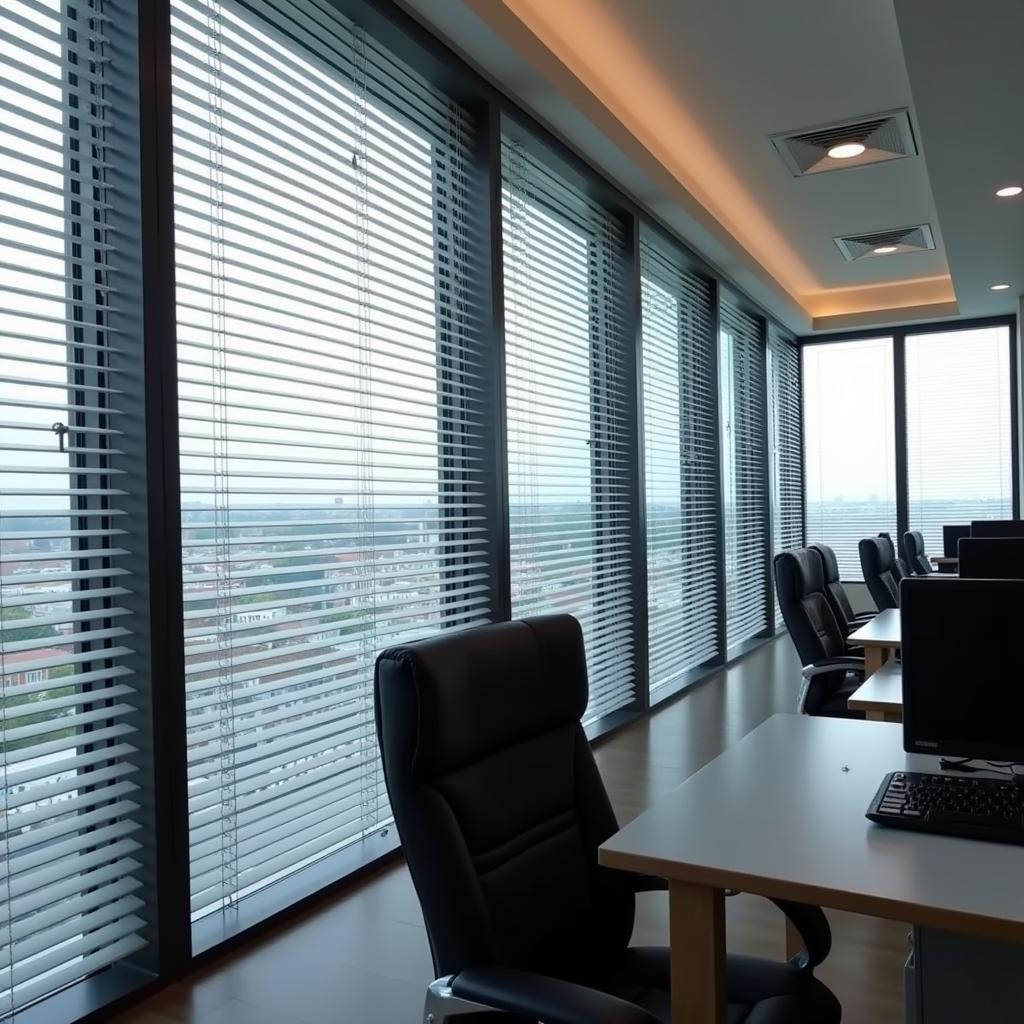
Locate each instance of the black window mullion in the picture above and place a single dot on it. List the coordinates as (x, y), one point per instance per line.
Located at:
(899, 376)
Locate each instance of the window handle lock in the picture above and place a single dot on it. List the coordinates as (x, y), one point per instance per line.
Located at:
(61, 430)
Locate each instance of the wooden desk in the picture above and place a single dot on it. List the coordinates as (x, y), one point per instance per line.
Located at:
(880, 639)
(881, 696)
(781, 814)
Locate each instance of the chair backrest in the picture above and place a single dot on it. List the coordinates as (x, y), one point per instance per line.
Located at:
(816, 633)
(835, 592)
(877, 562)
(913, 548)
(497, 799)
(900, 569)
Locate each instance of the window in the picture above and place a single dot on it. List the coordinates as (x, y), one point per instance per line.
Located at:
(568, 365)
(73, 899)
(959, 445)
(331, 410)
(681, 478)
(744, 449)
(849, 446)
(784, 418)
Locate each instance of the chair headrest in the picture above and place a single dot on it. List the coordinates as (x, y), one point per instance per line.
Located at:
(913, 543)
(876, 555)
(829, 562)
(799, 572)
(468, 694)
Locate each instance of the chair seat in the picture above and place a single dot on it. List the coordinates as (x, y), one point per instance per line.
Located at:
(835, 705)
(760, 991)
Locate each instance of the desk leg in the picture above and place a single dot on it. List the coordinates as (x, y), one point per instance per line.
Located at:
(697, 949)
(874, 659)
(884, 716)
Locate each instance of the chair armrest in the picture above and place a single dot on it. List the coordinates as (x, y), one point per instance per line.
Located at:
(539, 997)
(847, 662)
(814, 929)
(808, 672)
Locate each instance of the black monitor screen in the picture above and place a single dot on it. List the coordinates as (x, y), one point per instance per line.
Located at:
(951, 537)
(997, 528)
(993, 558)
(963, 667)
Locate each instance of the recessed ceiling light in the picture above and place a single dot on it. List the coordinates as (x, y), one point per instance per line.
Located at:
(884, 250)
(1000, 287)
(1010, 190)
(845, 150)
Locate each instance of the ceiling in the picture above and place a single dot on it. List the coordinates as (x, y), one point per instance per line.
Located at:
(676, 100)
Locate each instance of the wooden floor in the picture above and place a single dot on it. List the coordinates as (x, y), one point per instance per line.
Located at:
(363, 958)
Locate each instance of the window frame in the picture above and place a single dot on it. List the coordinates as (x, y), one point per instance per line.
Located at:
(899, 334)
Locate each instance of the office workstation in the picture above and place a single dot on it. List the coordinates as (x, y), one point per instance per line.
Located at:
(509, 511)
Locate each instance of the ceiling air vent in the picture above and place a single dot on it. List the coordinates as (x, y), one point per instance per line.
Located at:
(883, 137)
(886, 243)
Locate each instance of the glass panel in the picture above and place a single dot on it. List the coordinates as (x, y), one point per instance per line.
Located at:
(849, 446)
(959, 446)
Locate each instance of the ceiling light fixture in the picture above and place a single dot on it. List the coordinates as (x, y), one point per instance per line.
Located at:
(1010, 190)
(884, 250)
(1000, 287)
(846, 150)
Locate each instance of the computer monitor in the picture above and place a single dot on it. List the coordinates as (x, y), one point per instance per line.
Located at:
(963, 667)
(992, 558)
(951, 537)
(997, 528)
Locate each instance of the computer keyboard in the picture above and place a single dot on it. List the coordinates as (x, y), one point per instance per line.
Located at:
(955, 805)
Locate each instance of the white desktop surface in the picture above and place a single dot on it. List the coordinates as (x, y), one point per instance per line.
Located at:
(881, 631)
(779, 814)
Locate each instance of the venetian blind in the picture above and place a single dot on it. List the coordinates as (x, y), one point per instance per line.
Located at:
(786, 439)
(71, 901)
(742, 373)
(567, 352)
(681, 476)
(330, 418)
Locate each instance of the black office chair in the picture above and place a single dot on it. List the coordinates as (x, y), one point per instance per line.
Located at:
(835, 592)
(830, 674)
(900, 569)
(878, 563)
(500, 809)
(913, 548)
